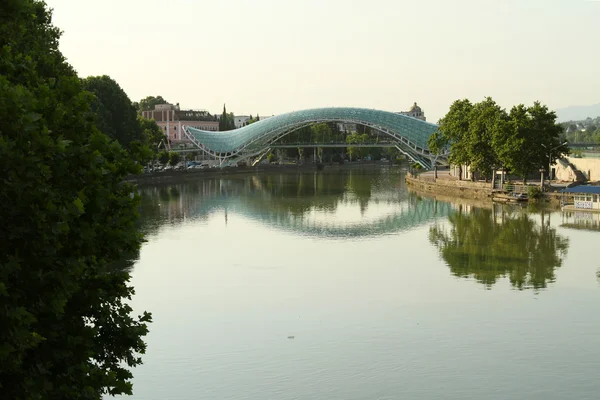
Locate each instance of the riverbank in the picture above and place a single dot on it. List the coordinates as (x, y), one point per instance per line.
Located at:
(448, 186)
(195, 174)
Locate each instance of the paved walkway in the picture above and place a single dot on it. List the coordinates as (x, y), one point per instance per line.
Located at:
(440, 175)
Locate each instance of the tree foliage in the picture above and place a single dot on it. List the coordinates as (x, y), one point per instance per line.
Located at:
(174, 158)
(151, 133)
(116, 117)
(226, 122)
(484, 136)
(68, 219)
(148, 103)
(164, 157)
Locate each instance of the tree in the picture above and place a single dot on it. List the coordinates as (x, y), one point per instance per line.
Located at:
(117, 117)
(152, 133)
(483, 136)
(226, 122)
(523, 145)
(68, 220)
(174, 158)
(486, 120)
(516, 141)
(548, 132)
(148, 103)
(453, 129)
(437, 142)
(164, 157)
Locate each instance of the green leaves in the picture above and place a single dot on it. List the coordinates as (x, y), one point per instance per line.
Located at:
(67, 220)
(483, 136)
(79, 205)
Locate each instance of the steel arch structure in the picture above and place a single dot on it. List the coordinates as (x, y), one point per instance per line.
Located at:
(409, 134)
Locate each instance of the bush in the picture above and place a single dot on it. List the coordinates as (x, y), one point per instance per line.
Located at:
(534, 192)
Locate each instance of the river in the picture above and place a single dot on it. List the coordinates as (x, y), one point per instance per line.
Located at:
(343, 284)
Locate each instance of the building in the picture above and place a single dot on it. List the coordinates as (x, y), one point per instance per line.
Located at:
(171, 118)
(415, 111)
(345, 127)
(585, 198)
(241, 120)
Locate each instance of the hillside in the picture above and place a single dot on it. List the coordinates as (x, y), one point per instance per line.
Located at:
(578, 113)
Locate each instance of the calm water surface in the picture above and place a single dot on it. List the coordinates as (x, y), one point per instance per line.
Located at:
(345, 285)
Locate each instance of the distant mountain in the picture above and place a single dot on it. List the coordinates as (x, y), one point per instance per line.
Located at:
(578, 113)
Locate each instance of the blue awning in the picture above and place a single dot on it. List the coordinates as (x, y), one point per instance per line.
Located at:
(583, 189)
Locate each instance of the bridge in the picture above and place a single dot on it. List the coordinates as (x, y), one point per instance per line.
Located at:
(584, 145)
(332, 145)
(407, 134)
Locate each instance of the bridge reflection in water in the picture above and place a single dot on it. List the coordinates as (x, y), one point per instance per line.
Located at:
(293, 202)
(483, 242)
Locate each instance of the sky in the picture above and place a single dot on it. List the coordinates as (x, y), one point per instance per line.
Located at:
(276, 56)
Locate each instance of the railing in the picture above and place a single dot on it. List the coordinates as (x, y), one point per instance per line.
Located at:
(336, 144)
(515, 188)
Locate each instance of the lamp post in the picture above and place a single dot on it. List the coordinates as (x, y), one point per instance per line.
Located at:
(550, 158)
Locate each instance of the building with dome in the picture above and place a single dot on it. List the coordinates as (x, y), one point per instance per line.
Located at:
(415, 112)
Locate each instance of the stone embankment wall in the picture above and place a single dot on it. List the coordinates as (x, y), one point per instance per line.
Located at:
(464, 189)
(468, 189)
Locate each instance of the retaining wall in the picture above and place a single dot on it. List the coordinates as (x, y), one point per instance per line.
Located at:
(464, 189)
(468, 189)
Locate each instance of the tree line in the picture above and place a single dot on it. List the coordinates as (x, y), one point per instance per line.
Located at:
(585, 131)
(485, 137)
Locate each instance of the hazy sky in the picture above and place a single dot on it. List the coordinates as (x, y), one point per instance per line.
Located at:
(274, 56)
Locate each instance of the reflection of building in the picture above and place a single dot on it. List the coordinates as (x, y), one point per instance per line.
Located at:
(584, 220)
(170, 118)
(415, 112)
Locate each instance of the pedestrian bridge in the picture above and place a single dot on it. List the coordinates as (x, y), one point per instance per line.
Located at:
(409, 135)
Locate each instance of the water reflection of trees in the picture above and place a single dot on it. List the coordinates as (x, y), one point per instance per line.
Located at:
(487, 245)
(285, 194)
(302, 192)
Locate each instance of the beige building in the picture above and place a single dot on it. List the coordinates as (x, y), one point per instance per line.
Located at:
(571, 169)
(415, 111)
(171, 118)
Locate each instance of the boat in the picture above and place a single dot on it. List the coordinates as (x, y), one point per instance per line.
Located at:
(503, 197)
